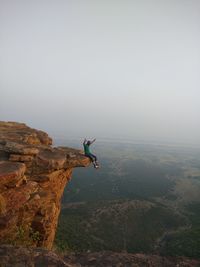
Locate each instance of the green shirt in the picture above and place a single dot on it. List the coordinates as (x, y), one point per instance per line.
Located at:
(86, 149)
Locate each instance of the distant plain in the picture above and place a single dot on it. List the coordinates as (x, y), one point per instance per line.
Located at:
(144, 198)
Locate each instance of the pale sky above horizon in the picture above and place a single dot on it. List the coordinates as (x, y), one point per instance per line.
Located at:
(102, 68)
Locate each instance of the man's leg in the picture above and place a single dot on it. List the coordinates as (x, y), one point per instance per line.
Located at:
(93, 156)
(95, 162)
(90, 157)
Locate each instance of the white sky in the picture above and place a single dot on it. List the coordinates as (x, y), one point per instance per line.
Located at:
(102, 68)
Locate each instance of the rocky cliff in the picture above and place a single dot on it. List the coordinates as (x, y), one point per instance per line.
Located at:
(38, 257)
(33, 175)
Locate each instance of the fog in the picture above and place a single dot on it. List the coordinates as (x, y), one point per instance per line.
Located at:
(112, 69)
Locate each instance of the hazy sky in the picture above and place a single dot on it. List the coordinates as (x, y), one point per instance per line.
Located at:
(102, 68)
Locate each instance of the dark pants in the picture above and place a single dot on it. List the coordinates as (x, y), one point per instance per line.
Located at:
(91, 156)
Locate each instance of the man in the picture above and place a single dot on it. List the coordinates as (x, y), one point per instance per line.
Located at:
(86, 145)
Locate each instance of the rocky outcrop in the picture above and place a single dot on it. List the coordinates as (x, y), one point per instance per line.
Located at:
(33, 175)
(123, 259)
(11, 256)
(38, 257)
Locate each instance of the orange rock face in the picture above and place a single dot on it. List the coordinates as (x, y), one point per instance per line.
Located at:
(33, 175)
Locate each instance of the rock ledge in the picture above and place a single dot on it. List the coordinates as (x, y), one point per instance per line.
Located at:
(33, 175)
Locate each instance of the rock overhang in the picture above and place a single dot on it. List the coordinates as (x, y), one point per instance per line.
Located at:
(33, 175)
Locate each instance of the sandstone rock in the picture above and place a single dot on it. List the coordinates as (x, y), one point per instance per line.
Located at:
(20, 132)
(33, 176)
(26, 257)
(2, 205)
(20, 148)
(17, 197)
(11, 173)
(51, 160)
(20, 158)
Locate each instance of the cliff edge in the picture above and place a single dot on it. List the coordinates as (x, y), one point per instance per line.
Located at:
(33, 175)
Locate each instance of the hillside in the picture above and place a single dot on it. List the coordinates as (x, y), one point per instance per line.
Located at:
(144, 199)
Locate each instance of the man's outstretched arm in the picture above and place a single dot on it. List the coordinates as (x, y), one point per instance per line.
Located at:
(93, 141)
(85, 141)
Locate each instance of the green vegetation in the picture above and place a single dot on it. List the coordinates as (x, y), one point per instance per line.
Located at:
(133, 179)
(185, 242)
(136, 202)
(133, 226)
(25, 235)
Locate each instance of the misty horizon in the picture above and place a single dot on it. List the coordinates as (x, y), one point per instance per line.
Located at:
(102, 69)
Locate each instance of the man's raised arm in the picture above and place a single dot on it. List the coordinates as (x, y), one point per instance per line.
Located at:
(93, 141)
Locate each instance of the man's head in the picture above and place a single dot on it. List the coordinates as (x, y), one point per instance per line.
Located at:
(88, 143)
